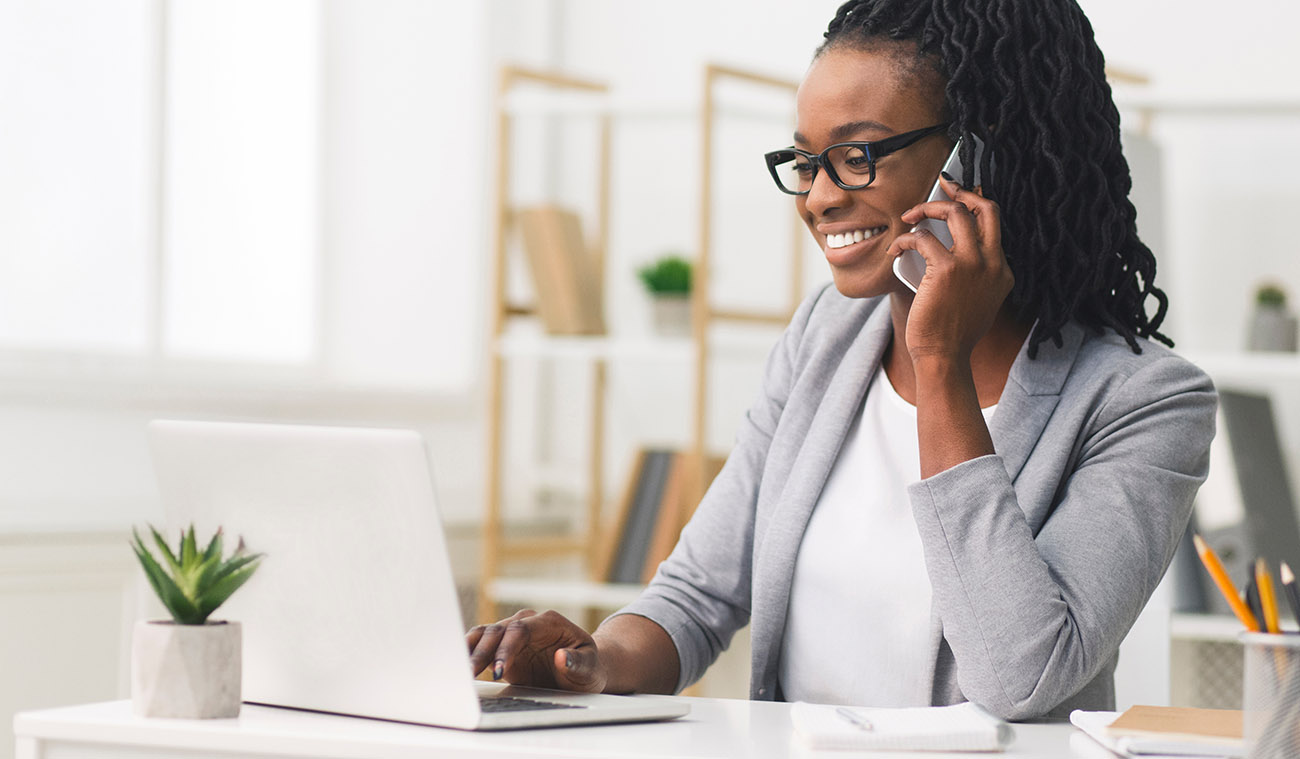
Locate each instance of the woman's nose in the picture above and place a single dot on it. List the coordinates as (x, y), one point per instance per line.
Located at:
(824, 195)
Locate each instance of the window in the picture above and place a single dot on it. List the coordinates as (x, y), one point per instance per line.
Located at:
(246, 183)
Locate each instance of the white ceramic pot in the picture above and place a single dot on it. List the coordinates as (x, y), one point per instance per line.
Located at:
(672, 315)
(186, 671)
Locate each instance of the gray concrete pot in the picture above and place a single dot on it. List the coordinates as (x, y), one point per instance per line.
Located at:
(186, 671)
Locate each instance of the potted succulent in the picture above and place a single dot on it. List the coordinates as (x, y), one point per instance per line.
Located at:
(668, 280)
(1272, 327)
(189, 666)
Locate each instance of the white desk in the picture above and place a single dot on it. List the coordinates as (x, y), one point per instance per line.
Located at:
(720, 728)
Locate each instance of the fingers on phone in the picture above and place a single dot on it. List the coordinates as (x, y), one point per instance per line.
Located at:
(920, 240)
(986, 213)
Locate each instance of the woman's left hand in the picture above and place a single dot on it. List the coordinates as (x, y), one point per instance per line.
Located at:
(963, 288)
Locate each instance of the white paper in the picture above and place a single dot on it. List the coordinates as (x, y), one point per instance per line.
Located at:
(962, 727)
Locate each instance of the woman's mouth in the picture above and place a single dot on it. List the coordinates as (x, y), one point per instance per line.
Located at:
(845, 239)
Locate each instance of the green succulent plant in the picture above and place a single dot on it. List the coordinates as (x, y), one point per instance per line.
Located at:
(193, 583)
(670, 275)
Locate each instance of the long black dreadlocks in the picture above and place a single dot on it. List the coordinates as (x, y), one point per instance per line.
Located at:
(1027, 78)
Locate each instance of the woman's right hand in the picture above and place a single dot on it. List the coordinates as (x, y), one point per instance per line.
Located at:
(541, 650)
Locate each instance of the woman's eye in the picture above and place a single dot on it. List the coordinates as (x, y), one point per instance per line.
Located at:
(853, 160)
(803, 169)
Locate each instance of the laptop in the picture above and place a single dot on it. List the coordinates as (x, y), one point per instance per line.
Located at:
(354, 610)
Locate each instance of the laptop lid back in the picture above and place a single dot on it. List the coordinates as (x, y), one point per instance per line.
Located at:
(354, 610)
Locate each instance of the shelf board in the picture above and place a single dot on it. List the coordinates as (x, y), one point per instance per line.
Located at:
(559, 592)
(1193, 104)
(648, 349)
(1248, 365)
(589, 348)
(542, 103)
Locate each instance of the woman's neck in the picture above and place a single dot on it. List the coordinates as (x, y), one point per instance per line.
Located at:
(990, 360)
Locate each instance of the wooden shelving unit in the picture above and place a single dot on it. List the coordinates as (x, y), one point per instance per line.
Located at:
(496, 546)
(549, 92)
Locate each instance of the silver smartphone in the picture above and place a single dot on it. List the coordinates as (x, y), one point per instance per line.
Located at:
(909, 267)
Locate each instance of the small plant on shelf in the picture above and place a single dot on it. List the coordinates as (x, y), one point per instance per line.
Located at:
(1270, 296)
(668, 275)
(668, 280)
(193, 583)
(1272, 326)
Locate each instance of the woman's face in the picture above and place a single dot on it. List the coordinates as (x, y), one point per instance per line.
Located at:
(853, 95)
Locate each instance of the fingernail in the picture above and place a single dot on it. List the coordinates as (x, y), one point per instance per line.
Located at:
(947, 176)
(498, 669)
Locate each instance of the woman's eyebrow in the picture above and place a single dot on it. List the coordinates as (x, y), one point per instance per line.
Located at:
(843, 132)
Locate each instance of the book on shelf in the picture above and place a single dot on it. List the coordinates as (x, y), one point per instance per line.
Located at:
(565, 280)
(656, 505)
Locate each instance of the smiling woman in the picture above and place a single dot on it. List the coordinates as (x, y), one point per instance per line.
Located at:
(966, 493)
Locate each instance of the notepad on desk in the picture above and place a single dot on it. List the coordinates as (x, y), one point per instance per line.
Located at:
(962, 727)
(1150, 731)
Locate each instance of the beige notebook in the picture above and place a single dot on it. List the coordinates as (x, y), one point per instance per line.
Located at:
(1179, 722)
(1165, 731)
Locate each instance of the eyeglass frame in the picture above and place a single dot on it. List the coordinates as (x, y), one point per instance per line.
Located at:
(874, 150)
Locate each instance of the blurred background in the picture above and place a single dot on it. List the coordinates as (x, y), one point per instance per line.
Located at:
(292, 211)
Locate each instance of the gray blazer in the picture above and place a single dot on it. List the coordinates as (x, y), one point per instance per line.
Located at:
(1040, 556)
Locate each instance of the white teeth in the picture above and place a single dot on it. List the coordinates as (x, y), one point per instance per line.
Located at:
(848, 238)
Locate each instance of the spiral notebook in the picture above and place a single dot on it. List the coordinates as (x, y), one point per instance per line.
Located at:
(961, 727)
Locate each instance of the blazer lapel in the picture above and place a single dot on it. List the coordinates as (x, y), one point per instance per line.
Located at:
(775, 557)
(1030, 396)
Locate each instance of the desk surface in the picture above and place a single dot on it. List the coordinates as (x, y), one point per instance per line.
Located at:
(714, 728)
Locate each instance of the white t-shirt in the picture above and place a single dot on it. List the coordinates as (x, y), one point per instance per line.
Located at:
(857, 630)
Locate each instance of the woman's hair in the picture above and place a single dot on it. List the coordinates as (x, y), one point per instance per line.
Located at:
(1027, 78)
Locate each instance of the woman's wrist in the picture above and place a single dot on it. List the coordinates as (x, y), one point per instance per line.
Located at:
(637, 655)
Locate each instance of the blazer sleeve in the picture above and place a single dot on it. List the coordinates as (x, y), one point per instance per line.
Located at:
(1030, 618)
(700, 594)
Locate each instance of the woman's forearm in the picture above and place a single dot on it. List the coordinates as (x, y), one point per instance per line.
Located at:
(950, 426)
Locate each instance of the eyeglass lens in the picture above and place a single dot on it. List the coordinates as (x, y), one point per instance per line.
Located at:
(850, 165)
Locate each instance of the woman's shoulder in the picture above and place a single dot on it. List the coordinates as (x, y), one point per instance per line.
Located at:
(1107, 362)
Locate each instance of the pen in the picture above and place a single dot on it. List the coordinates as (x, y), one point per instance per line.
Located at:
(1289, 590)
(1221, 579)
(1267, 599)
(862, 723)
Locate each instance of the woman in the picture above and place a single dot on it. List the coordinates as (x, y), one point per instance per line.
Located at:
(964, 494)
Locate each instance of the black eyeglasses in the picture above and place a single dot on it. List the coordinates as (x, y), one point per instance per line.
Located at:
(851, 165)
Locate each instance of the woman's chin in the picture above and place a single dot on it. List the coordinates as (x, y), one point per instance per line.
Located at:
(865, 284)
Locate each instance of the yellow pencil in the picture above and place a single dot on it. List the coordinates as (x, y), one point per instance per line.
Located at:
(1267, 599)
(1221, 579)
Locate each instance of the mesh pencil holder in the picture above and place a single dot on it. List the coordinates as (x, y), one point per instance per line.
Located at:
(1271, 695)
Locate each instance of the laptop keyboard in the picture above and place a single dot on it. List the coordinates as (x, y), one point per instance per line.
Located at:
(511, 704)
